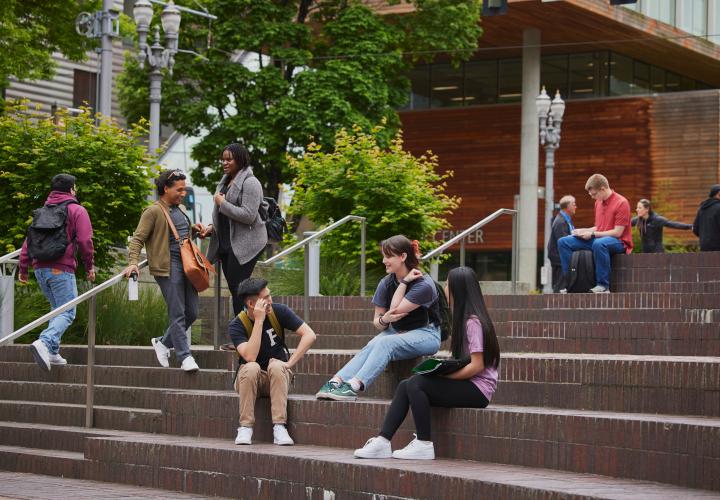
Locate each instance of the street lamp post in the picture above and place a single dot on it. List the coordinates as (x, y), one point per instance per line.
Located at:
(157, 56)
(550, 115)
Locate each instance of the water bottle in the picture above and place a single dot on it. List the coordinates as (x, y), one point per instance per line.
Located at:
(133, 286)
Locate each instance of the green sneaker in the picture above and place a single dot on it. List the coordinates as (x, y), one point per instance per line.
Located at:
(325, 389)
(344, 392)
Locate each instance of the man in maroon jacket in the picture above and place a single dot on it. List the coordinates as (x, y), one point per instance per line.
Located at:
(57, 277)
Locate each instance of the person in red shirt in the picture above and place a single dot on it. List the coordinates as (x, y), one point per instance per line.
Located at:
(611, 234)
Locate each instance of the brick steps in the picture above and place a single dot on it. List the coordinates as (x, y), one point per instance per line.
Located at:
(105, 417)
(42, 461)
(50, 437)
(336, 473)
(639, 446)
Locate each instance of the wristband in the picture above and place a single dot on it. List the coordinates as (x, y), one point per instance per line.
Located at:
(380, 320)
(406, 283)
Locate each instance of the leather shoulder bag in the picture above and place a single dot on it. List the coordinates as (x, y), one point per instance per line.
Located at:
(195, 265)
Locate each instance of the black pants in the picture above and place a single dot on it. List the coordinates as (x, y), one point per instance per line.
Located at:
(235, 273)
(557, 278)
(420, 392)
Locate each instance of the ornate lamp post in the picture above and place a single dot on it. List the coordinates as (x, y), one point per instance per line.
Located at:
(550, 115)
(157, 56)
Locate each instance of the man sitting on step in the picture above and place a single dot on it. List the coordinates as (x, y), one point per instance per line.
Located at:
(611, 234)
(265, 363)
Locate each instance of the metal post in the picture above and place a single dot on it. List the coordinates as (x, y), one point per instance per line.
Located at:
(306, 303)
(313, 260)
(462, 252)
(7, 303)
(549, 205)
(434, 269)
(362, 258)
(514, 254)
(155, 98)
(218, 306)
(90, 389)
(106, 54)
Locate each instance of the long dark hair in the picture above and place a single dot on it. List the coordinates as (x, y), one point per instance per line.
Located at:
(646, 203)
(240, 155)
(400, 244)
(467, 300)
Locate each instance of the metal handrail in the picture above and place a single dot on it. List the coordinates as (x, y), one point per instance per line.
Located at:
(9, 256)
(89, 296)
(464, 234)
(306, 244)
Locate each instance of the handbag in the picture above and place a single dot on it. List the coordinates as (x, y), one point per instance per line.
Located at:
(436, 366)
(195, 265)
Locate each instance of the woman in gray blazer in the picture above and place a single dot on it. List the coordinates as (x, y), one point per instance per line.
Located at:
(238, 234)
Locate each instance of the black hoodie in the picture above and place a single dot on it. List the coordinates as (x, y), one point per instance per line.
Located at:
(707, 225)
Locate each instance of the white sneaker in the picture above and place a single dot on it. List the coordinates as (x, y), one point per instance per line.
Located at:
(563, 291)
(161, 351)
(56, 359)
(599, 289)
(281, 436)
(416, 450)
(376, 447)
(189, 365)
(244, 435)
(41, 354)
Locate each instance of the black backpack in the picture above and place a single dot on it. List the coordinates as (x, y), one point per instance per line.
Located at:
(274, 222)
(581, 273)
(47, 235)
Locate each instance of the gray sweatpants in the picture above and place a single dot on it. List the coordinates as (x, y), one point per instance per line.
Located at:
(182, 303)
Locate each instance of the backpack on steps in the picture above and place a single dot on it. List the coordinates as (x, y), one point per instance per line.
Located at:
(47, 237)
(581, 273)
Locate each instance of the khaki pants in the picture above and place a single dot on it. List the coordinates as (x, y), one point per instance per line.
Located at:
(252, 381)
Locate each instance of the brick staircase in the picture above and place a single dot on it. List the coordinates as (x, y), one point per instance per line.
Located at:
(600, 396)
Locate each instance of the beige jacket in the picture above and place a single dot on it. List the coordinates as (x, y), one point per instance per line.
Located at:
(153, 233)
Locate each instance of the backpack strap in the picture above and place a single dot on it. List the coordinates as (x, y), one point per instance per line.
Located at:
(274, 322)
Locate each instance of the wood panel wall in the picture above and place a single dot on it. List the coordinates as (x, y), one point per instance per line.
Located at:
(639, 143)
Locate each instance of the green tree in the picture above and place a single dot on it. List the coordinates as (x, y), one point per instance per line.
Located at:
(396, 192)
(325, 65)
(106, 159)
(30, 31)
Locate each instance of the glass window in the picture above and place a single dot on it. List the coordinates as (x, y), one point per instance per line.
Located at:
(584, 76)
(481, 82)
(657, 79)
(641, 78)
(554, 74)
(446, 86)
(419, 88)
(678, 83)
(692, 16)
(510, 71)
(621, 74)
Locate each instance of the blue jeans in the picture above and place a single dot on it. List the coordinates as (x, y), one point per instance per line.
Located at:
(59, 287)
(182, 304)
(602, 249)
(389, 345)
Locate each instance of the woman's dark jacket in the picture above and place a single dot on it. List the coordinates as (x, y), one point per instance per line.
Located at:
(651, 231)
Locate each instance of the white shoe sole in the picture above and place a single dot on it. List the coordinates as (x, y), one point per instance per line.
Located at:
(286, 443)
(39, 359)
(424, 457)
(162, 359)
(361, 454)
(243, 442)
(55, 363)
(335, 397)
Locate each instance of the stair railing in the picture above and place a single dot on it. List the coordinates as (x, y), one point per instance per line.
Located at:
(301, 244)
(89, 296)
(462, 236)
(8, 266)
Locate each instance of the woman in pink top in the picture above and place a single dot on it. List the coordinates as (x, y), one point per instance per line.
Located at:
(473, 386)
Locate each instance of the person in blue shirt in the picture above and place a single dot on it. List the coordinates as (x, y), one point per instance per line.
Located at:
(561, 226)
(406, 315)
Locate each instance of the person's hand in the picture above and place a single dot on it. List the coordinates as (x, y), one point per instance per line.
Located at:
(260, 309)
(392, 316)
(412, 275)
(23, 278)
(129, 270)
(207, 232)
(91, 275)
(286, 364)
(199, 229)
(219, 198)
(586, 235)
